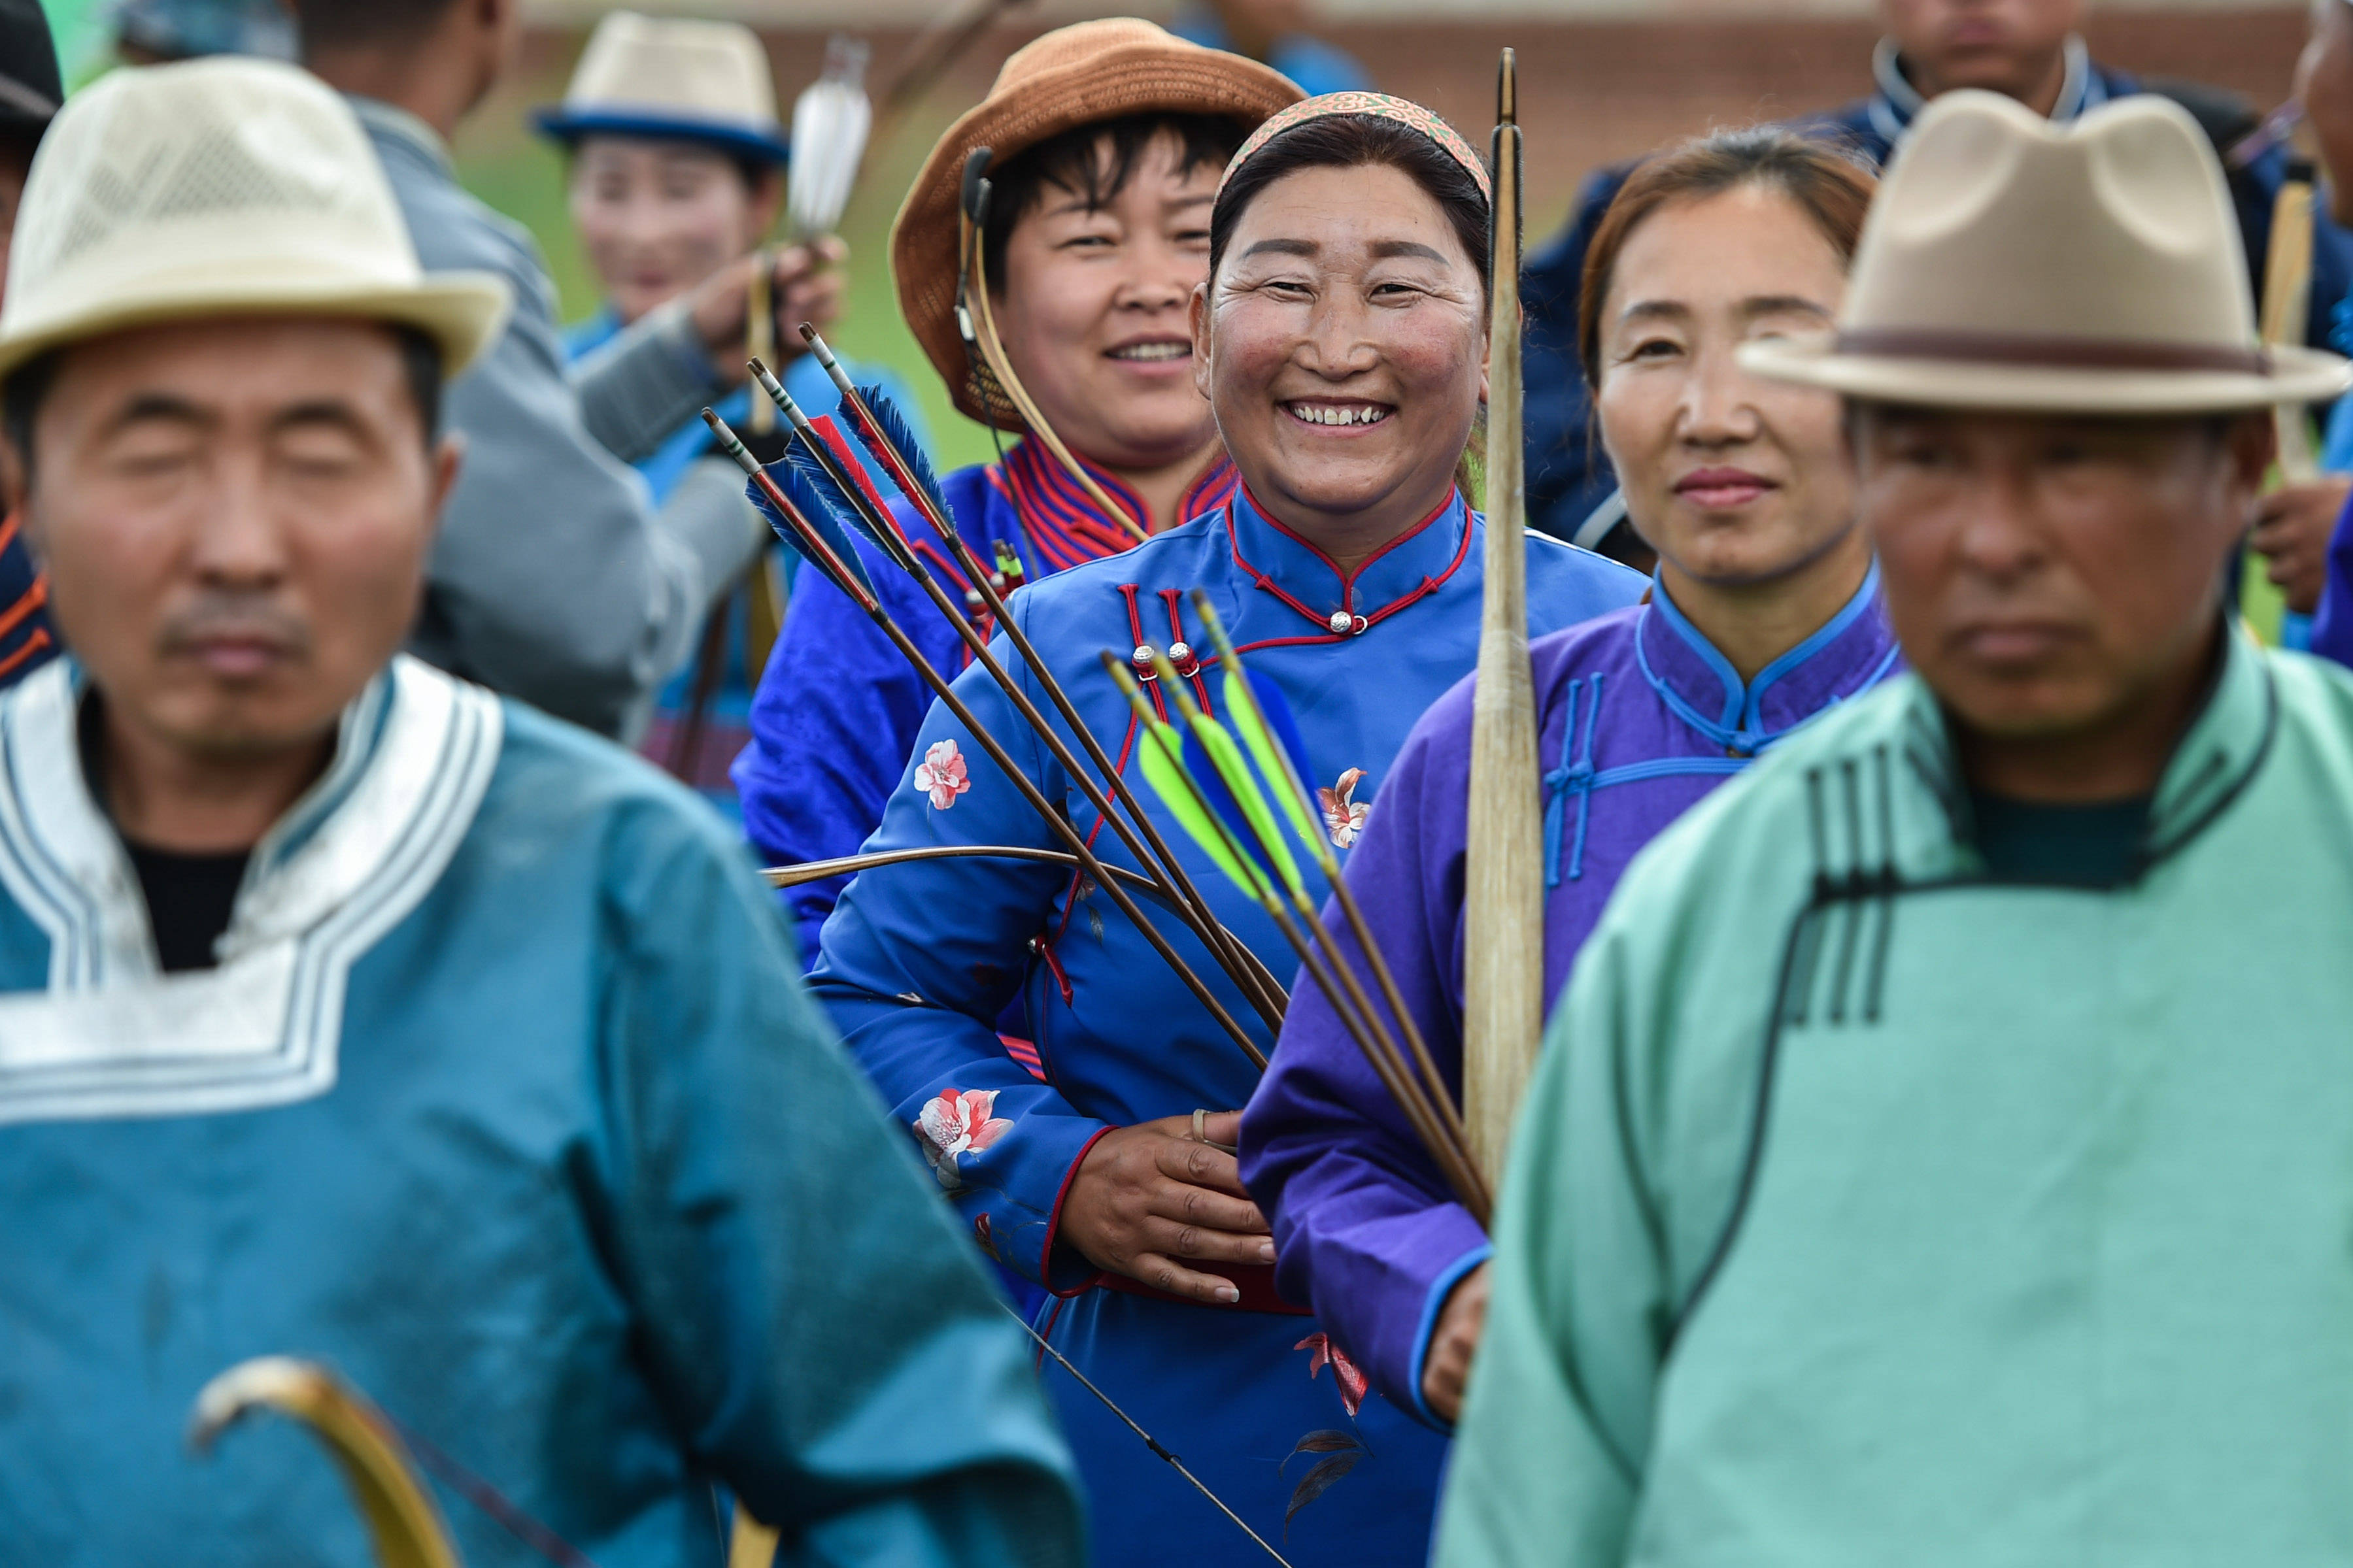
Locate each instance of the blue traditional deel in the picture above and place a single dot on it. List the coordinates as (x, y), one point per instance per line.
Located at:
(727, 719)
(921, 960)
(838, 710)
(1639, 718)
(1569, 476)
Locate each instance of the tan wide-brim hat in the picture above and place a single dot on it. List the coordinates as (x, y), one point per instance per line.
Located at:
(2012, 263)
(227, 187)
(1071, 77)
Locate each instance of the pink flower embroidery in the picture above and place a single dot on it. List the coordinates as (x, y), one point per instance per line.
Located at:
(940, 775)
(1343, 816)
(958, 1122)
(1345, 1372)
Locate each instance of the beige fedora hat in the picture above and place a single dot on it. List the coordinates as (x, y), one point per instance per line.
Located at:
(218, 187)
(671, 76)
(2092, 267)
(1071, 77)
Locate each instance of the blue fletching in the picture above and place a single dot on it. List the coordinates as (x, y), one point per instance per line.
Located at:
(895, 430)
(820, 515)
(1280, 719)
(813, 476)
(1221, 800)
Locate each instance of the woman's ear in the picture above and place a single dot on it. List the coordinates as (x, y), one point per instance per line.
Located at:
(1198, 317)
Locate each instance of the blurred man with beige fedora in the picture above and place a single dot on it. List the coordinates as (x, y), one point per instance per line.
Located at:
(556, 578)
(1940, 1153)
(348, 1010)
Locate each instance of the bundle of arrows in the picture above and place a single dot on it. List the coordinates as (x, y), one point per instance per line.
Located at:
(816, 498)
(1244, 801)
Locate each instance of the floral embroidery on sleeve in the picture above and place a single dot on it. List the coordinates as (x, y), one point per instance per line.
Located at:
(1343, 815)
(958, 1122)
(1347, 1373)
(940, 775)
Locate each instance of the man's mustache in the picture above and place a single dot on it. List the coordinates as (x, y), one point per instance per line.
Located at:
(241, 618)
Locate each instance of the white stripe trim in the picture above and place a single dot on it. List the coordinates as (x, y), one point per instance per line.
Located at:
(265, 1027)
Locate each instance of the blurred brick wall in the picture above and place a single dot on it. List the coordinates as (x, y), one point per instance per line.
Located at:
(1601, 90)
(1591, 92)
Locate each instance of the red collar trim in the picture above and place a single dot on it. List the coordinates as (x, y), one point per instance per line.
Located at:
(1347, 579)
(1321, 622)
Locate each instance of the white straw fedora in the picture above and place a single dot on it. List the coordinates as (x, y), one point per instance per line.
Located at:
(2094, 268)
(643, 76)
(220, 187)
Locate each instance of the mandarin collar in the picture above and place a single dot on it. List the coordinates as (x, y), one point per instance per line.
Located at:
(359, 732)
(1287, 564)
(1049, 499)
(2218, 756)
(1847, 654)
(1895, 100)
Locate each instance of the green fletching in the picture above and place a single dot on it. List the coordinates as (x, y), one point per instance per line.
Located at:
(1235, 772)
(1273, 765)
(1162, 746)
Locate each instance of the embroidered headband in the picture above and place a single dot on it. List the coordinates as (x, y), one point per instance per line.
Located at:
(1377, 105)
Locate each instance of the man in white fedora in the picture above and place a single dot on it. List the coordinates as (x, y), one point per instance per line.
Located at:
(349, 1011)
(1940, 1154)
(557, 577)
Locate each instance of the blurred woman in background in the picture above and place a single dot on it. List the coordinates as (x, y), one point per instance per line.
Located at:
(676, 174)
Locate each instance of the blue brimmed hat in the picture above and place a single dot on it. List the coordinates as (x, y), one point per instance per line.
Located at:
(689, 80)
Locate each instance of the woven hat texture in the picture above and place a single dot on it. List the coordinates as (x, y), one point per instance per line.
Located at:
(2094, 268)
(1073, 76)
(671, 76)
(222, 187)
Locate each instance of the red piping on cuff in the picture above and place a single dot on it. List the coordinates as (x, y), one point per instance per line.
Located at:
(1054, 1224)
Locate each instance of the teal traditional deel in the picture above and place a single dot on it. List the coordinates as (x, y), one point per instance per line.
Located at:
(504, 1101)
(1870, 1209)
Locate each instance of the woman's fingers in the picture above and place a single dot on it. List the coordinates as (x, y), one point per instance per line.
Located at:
(1200, 1165)
(1166, 1273)
(1206, 1207)
(1207, 1244)
(1222, 1127)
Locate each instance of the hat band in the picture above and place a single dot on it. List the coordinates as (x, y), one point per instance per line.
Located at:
(2049, 353)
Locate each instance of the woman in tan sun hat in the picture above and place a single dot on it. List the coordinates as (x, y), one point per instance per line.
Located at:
(1106, 138)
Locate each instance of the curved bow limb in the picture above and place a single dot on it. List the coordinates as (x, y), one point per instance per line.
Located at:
(403, 1524)
(851, 865)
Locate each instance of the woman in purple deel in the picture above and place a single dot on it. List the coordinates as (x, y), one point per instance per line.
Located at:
(1764, 612)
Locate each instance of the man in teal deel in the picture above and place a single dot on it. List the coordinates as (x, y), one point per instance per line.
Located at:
(350, 1011)
(1940, 1153)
